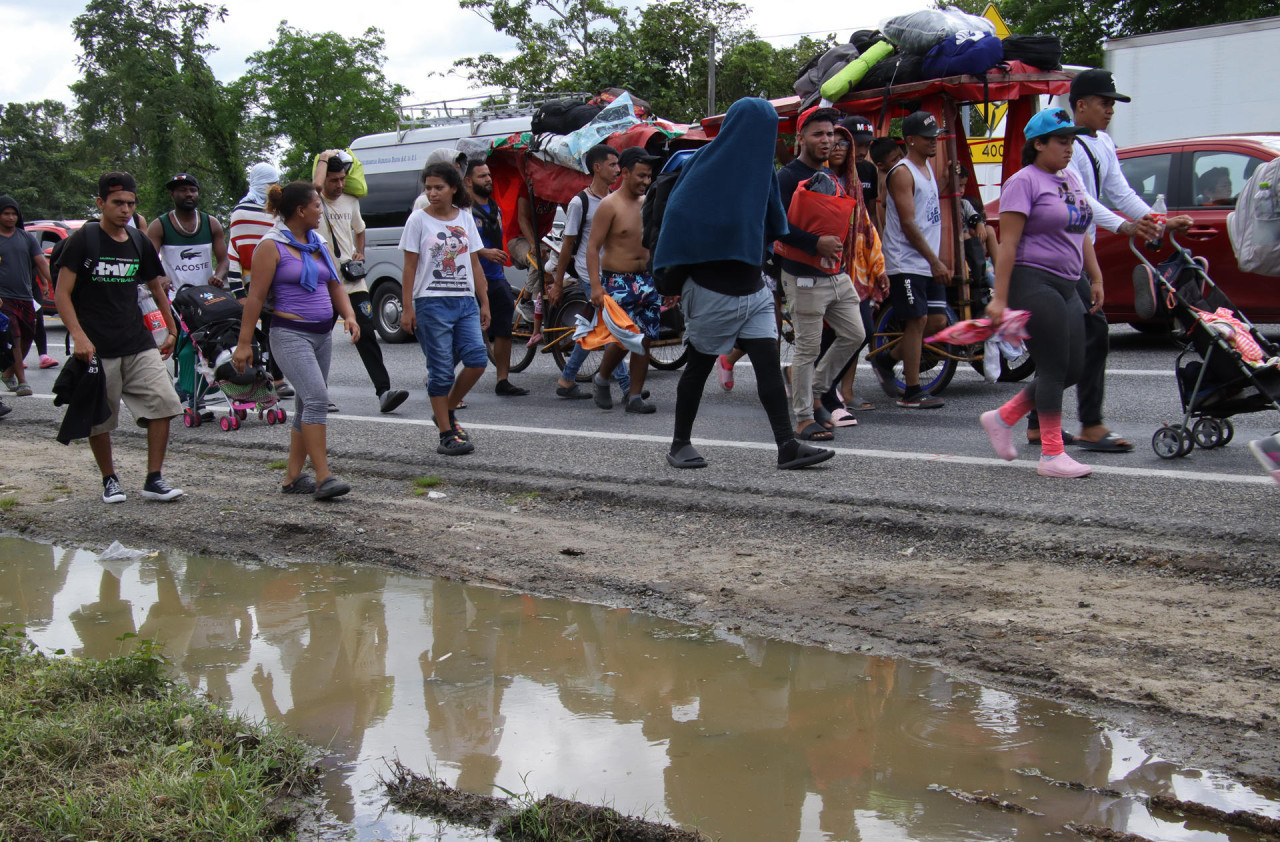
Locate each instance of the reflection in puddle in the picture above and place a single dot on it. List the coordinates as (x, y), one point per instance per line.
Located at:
(747, 739)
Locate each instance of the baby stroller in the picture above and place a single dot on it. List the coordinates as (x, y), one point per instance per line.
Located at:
(211, 317)
(1226, 367)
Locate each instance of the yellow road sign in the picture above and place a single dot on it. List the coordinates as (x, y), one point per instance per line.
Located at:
(993, 112)
(987, 151)
(992, 14)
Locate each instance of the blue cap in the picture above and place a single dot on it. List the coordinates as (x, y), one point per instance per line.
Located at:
(1052, 121)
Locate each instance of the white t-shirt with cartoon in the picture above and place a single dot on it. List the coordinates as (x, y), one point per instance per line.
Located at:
(444, 250)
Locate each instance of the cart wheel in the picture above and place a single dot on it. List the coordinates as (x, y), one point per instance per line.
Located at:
(1228, 431)
(1207, 433)
(224, 423)
(235, 421)
(1167, 442)
(241, 414)
(188, 417)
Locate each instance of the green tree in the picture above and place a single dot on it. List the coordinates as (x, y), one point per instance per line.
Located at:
(39, 161)
(317, 92)
(659, 51)
(149, 103)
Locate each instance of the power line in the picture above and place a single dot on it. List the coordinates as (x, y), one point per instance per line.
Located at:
(795, 34)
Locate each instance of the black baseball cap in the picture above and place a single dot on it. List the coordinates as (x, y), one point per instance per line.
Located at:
(633, 155)
(182, 179)
(1096, 82)
(920, 124)
(860, 128)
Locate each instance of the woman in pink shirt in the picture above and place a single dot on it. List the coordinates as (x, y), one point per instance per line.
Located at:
(1044, 251)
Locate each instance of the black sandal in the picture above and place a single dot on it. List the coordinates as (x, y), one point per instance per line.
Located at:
(457, 428)
(813, 431)
(453, 445)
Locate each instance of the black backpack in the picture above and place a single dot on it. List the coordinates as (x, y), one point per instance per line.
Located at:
(651, 213)
(1040, 51)
(562, 116)
(92, 251)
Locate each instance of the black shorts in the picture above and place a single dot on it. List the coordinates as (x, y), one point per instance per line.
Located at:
(913, 296)
(502, 310)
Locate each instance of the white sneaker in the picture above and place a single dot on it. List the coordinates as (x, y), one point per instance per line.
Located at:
(158, 489)
(1062, 466)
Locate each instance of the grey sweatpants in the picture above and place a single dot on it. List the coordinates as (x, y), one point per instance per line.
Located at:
(304, 359)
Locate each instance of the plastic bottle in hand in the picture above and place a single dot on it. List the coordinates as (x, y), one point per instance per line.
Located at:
(151, 316)
(1160, 215)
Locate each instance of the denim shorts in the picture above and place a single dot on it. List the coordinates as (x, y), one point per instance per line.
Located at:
(448, 331)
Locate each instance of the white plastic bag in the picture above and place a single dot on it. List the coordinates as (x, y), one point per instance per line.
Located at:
(919, 32)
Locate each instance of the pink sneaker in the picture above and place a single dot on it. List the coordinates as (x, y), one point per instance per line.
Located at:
(1062, 466)
(725, 372)
(47, 361)
(1001, 435)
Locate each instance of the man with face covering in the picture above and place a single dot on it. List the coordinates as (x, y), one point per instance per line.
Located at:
(725, 209)
(250, 221)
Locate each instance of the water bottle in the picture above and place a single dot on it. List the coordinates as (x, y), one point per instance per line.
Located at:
(151, 316)
(1160, 214)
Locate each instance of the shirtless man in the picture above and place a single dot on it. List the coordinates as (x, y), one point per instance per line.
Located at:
(616, 262)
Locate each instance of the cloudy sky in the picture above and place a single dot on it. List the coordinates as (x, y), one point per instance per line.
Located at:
(422, 40)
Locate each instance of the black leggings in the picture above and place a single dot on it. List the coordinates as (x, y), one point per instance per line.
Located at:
(763, 354)
(1057, 333)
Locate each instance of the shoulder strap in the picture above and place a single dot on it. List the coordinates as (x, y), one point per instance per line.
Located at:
(586, 203)
(1093, 162)
(333, 238)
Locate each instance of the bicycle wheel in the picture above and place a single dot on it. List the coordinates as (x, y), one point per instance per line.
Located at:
(522, 353)
(564, 321)
(936, 370)
(669, 351)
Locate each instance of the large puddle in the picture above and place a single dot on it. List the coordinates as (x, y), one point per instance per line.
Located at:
(744, 738)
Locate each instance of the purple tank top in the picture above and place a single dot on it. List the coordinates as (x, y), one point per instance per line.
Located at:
(288, 296)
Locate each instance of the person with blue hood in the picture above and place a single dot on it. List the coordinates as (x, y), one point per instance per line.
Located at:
(720, 217)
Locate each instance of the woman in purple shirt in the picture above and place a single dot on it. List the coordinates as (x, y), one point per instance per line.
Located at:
(304, 294)
(1044, 251)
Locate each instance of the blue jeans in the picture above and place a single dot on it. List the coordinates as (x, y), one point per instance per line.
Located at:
(448, 330)
(579, 356)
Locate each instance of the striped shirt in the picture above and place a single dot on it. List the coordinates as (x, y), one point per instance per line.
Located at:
(249, 222)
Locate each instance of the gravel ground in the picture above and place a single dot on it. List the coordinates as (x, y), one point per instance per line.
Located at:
(1167, 626)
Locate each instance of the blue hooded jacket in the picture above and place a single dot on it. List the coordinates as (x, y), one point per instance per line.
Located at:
(726, 204)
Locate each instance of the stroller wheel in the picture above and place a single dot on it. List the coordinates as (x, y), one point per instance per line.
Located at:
(1208, 433)
(189, 418)
(225, 423)
(280, 416)
(235, 422)
(1228, 431)
(1168, 442)
(241, 415)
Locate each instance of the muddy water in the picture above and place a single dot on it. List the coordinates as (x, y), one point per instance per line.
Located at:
(747, 739)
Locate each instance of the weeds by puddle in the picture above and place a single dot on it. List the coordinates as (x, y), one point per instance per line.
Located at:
(521, 818)
(113, 749)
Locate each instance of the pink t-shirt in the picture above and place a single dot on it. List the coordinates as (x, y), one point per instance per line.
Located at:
(1058, 219)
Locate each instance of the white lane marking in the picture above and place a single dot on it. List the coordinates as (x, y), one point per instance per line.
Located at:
(899, 455)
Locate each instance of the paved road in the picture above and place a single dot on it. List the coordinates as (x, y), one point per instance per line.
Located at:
(935, 461)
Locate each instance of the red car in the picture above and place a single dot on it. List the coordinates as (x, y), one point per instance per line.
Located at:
(50, 232)
(1200, 177)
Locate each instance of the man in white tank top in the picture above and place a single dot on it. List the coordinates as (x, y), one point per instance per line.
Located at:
(917, 276)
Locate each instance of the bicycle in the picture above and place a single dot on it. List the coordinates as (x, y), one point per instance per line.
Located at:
(558, 327)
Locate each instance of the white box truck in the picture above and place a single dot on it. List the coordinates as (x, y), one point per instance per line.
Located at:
(1207, 80)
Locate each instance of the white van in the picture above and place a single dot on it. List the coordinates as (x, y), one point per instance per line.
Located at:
(393, 164)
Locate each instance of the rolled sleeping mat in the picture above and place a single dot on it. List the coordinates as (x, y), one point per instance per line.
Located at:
(841, 83)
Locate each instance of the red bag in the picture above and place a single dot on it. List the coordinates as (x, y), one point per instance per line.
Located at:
(821, 215)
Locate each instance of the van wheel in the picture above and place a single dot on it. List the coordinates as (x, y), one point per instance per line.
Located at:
(387, 310)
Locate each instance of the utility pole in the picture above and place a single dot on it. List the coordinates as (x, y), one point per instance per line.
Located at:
(711, 74)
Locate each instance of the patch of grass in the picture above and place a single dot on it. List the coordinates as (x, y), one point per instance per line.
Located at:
(523, 497)
(427, 482)
(8, 503)
(114, 749)
(278, 465)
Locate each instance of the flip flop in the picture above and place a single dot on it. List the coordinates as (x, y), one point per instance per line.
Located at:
(813, 431)
(686, 457)
(823, 416)
(860, 404)
(1110, 443)
(805, 456)
(843, 418)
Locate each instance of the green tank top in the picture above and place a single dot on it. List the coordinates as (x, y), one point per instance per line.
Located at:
(187, 259)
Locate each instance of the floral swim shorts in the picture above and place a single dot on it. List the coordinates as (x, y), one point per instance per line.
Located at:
(635, 293)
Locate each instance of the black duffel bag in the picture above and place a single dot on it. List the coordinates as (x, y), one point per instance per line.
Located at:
(894, 70)
(562, 116)
(1040, 51)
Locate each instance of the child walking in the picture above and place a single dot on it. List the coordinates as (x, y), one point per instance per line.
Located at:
(450, 310)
